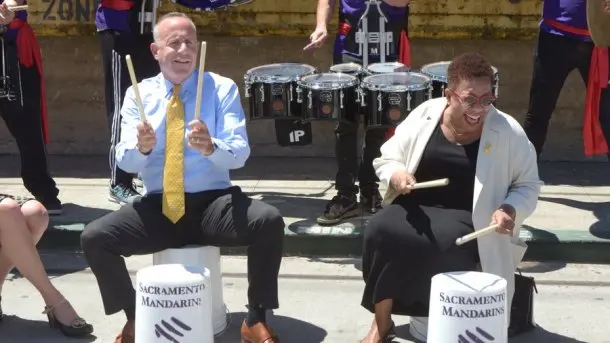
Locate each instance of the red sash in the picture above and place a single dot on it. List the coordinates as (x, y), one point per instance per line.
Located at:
(119, 5)
(404, 57)
(593, 137)
(28, 52)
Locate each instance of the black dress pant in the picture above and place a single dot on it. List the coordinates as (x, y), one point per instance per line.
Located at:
(555, 58)
(346, 152)
(115, 46)
(217, 218)
(22, 116)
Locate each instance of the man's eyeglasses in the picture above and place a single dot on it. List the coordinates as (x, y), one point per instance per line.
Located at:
(471, 100)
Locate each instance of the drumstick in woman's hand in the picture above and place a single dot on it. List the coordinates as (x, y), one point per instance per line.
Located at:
(469, 237)
(134, 83)
(200, 80)
(429, 184)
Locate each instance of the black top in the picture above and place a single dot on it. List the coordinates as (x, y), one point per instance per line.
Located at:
(443, 159)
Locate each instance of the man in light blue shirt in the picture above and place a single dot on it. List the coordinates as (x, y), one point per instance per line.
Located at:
(213, 211)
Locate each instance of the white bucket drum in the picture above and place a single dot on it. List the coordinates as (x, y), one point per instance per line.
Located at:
(468, 307)
(203, 257)
(173, 304)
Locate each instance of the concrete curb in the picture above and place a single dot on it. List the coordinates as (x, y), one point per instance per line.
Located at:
(306, 238)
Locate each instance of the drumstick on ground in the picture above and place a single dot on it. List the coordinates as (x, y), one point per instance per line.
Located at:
(429, 184)
(469, 237)
(134, 83)
(200, 80)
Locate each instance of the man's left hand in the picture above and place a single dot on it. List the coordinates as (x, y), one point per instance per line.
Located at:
(505, 220)
(607, 6)
(199, 138)
(6, 15)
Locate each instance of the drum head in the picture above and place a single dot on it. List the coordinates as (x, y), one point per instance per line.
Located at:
(397, 82)
(438, 71)
(328, 81)
(346, 68)
(278, 72)
(388, 67)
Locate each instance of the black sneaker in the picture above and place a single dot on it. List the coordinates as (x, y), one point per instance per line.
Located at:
(53, 205)
(371, 202)
(341, 207)
(122, 194)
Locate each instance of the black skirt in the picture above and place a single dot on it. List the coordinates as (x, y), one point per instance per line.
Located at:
(405, 245)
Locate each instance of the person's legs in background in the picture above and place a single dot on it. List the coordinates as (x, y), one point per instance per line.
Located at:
(370, 198)
(23, 118)
(553, 61)
(115, 46)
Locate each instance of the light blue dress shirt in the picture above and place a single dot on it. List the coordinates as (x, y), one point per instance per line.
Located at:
(222, 112)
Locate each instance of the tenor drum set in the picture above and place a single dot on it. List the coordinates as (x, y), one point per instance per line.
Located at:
(384, 93)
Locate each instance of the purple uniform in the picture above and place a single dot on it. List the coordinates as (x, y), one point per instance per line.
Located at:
(11, 34)
(111, 19)
(572, 13)
(350, 11)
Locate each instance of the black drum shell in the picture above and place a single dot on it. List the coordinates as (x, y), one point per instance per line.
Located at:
(326, 104)
(395, 106)
(274, 101)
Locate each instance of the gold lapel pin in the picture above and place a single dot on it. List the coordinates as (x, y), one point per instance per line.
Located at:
(487, 148)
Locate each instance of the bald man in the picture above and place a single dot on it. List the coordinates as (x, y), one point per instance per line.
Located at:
(203, 208)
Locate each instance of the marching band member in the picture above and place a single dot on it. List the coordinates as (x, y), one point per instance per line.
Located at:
(185, 166)
(349, 49)
(123, 29)
(493, 177)
(25, 110)
(564, 44)
(23, 221)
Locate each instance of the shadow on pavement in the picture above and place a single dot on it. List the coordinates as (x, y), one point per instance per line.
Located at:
(577, 174)
(19, 330)
(288, 329)
(601, 211)
(539, 335)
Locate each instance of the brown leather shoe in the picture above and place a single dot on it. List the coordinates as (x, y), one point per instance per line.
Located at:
(259, 333)
(128, 334)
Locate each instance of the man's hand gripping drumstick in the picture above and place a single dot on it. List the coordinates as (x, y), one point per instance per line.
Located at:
(8, 9)
(146, 134)
(199, 137)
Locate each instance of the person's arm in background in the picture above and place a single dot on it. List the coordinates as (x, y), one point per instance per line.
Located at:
(324, 12)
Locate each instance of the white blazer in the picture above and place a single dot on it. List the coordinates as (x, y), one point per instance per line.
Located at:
(506, 173)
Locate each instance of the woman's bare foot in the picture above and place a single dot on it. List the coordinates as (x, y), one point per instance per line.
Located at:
(373, 335)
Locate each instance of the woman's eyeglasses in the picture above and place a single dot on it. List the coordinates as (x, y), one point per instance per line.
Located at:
(471, 100)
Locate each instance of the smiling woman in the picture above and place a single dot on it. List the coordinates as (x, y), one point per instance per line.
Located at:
(412, 239)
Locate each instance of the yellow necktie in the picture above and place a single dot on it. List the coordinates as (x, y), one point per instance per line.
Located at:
(173, 172)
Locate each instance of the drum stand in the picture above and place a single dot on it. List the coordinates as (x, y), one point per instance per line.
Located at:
(364, 37)
(6, 91)
(148, 17)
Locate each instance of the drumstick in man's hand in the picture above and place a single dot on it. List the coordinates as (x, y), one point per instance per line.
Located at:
(200, 80)
(134, 83)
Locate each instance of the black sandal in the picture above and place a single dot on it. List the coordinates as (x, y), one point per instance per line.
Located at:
(391, 335)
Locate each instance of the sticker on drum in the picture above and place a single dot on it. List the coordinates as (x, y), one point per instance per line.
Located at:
(328, 96)
(347, 68)
(389, 98)
(271, 90)
(386, 67)
(438, 73)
